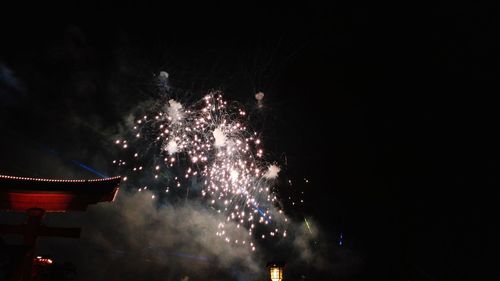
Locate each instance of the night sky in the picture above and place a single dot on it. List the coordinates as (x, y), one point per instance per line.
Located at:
(390, 115)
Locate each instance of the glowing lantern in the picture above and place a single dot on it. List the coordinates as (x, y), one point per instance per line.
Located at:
(275, 270)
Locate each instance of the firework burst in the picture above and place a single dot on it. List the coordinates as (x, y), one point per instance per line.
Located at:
(208, 142)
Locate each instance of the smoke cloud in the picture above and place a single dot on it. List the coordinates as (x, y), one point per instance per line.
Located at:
(139, 238)
(174, 111)
(136, 238)
(259, 97)
(272, 172)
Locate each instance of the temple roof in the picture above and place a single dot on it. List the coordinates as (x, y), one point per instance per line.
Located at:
(54, 195)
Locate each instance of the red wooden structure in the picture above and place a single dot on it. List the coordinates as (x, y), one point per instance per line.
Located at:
(36, 196)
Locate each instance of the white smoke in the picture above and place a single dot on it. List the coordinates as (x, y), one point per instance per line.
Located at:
(259, 97)
(272, 172)
(220, 137)
(134, 237)
(163, 75)
(174, 111)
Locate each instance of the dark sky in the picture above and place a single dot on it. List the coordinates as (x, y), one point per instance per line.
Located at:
(390, 114)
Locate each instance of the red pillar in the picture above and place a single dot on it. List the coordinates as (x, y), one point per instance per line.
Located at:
(25, 271)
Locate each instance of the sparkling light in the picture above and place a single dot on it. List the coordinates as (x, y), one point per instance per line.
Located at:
(210, 140)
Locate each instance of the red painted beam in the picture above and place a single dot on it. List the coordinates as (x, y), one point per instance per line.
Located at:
(21, 194)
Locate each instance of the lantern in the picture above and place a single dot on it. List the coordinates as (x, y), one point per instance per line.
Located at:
(275, 270)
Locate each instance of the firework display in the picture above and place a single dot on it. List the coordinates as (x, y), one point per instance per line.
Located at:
(207, 144)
